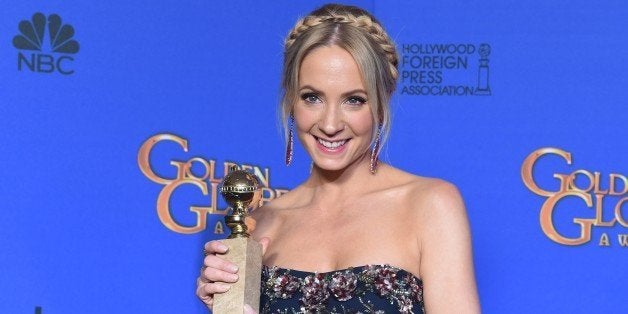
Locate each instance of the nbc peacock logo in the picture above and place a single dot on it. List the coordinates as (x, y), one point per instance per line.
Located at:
(45, 56)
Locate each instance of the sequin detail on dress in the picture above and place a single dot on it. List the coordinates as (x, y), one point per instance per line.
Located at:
(364, 289)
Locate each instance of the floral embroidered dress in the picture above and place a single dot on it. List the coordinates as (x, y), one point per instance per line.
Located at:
(364, 289)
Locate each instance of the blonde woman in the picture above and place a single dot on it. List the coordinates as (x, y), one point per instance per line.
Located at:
(358, 235)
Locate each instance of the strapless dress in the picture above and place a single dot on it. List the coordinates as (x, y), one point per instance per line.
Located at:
(363, 289)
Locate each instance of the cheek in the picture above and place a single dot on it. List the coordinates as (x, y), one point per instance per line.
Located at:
(302, 128)
(362, 125)
(304, 119)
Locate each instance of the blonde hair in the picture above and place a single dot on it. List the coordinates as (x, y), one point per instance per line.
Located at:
(360, 34)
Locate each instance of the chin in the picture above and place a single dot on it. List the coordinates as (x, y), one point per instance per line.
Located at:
(336, 165)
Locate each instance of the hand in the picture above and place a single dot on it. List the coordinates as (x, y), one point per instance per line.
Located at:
(217, 274)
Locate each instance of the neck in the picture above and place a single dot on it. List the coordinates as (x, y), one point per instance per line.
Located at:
(338, 186)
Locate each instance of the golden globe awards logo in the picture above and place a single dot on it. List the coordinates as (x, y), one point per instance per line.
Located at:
(45, 55)
(450, 69)
(207, 183)
(605, 194)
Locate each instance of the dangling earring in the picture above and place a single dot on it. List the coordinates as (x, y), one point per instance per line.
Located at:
(375, 151)
(289, 147)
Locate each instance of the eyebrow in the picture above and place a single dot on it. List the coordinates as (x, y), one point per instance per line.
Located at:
(351, 92)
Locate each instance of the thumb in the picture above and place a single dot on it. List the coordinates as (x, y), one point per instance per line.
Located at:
(250, 223)
(265, 241)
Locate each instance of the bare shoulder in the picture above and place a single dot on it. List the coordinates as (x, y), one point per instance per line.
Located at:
(427, 196)
(438, 199)
(437, 205)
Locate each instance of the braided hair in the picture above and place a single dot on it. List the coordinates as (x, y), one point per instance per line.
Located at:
(360, 34)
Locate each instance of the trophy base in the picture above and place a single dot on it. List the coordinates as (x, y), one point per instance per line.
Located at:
(247, 254)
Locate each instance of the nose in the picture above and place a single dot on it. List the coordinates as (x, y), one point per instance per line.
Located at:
(331, 122)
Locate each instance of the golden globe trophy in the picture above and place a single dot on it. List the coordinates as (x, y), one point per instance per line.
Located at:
(240, 189)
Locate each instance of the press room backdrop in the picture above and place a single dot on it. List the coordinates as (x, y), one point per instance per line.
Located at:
(118, 118)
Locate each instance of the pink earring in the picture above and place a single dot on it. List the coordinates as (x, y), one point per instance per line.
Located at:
(289, 146)
(375, 151)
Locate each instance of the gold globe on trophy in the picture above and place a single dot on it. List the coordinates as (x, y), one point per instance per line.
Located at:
(240, 189)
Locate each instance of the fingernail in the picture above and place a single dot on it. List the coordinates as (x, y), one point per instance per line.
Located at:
(224, 286)
(234, 277)
(234, 268)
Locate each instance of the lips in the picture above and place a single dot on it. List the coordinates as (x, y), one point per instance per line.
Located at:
(331, 145)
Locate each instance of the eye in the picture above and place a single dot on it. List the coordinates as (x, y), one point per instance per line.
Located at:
(311, 98)
(356, 101)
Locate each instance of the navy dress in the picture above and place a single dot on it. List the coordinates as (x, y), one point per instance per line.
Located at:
(364, 289)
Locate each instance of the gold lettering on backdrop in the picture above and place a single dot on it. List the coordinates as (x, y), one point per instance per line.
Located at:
(584, 186)
(205, 181)
(219, 228)
(623, 239)
(604, 240)
(144, 154)
(612, 188)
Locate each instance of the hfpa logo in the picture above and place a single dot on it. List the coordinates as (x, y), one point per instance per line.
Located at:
(59, 45)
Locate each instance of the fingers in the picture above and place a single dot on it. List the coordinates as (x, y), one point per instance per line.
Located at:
(218, 270)
(202, 294)
(215, 247)
(215, 268)
(206, 290)
(217, 274)
(265, 241)
(218, 263)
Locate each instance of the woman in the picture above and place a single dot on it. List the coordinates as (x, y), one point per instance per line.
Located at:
(355, 236)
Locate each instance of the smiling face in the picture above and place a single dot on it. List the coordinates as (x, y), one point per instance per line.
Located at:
(332, 114)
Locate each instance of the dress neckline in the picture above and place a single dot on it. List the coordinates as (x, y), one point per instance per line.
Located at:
(379, 288)
(352, 268)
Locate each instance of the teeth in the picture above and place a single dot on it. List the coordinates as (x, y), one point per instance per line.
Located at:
(331, 145)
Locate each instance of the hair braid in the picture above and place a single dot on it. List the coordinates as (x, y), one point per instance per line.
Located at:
(362, 22)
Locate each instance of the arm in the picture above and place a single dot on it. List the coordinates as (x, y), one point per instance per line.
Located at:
(446, 255)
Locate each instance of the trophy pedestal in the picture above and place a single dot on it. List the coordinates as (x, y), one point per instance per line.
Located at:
(246, 253)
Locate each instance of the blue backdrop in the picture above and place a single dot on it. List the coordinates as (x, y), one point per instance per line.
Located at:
(483, 86)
